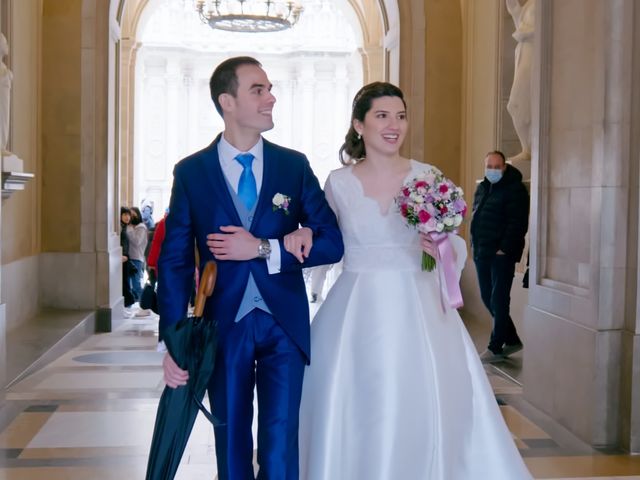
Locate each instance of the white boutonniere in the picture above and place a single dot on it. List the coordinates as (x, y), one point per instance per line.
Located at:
(281, 202)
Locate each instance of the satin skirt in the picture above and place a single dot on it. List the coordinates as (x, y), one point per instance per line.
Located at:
(396, 390)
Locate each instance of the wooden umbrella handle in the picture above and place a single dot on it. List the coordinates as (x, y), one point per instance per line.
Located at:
(205, 289)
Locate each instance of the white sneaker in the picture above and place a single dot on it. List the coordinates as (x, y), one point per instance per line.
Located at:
(489, 357)
(143, 313)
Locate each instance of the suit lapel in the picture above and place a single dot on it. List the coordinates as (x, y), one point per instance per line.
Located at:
(269, 176)
(216, 177)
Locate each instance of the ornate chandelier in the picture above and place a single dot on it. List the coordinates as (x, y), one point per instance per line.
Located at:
(249, 15)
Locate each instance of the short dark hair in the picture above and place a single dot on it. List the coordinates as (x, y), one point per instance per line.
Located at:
(136, 216)
(225, 80)
(352, 150)
(497, 152)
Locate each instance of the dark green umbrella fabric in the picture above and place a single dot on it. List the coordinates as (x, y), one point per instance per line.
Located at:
(192, 344)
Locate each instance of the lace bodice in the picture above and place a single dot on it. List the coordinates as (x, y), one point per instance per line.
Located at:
(372, 240)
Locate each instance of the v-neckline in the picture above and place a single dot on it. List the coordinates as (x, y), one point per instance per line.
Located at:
(379, 206)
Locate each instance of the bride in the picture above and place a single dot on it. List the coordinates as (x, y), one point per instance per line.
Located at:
(395, 389)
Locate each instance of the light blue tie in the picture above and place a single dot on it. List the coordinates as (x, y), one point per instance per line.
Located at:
(247, 190)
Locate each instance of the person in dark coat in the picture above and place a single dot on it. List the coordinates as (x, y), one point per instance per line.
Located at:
(498, 228)
(127, 266)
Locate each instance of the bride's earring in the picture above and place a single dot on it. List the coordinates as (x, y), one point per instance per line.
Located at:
(359, 137)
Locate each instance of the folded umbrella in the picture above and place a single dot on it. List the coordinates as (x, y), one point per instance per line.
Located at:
(192, 344)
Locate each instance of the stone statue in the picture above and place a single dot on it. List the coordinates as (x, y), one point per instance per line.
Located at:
(6, 78)
(519, 106)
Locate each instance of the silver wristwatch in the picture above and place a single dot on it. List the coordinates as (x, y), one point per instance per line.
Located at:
(264, 248)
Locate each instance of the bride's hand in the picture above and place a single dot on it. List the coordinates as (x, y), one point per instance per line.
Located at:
(431, 247)
(299, 243)
(428, 245)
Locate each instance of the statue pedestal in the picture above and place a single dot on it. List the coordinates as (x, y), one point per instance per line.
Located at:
(13, 176)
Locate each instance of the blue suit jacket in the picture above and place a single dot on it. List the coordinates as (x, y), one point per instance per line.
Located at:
(201, 203)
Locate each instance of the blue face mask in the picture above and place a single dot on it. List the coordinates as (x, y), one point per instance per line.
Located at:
(493, 174)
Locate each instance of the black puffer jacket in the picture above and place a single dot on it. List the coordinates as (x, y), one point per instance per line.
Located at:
(500, 216)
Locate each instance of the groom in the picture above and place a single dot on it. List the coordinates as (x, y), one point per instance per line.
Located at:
(237, 199)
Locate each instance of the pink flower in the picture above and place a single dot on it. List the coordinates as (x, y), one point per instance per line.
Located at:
(431, 203)
(423, 216)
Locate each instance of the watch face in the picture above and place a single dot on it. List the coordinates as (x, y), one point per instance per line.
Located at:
(264, 249)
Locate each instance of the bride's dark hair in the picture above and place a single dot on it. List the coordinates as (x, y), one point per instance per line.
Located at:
(352, 150)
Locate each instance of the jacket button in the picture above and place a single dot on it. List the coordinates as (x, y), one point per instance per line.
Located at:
(257, 299)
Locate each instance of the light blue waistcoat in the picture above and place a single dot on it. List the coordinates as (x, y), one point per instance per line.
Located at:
(252, 297)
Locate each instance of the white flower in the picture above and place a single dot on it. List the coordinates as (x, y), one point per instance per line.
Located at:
(417, 198)
(278, 199)
(448, 222)
(439, 227)
(281, 202)
(457, 220)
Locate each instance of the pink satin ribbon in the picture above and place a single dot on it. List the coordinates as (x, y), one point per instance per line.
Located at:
(445, 259)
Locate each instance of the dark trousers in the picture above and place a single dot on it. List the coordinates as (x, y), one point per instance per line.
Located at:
(495, 277)
(136, 279)
(126, 284)
(256, 352)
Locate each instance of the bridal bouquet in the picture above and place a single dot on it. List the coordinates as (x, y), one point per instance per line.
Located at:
(433, 204)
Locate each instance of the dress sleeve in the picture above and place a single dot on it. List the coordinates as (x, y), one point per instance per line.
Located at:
(331, 200)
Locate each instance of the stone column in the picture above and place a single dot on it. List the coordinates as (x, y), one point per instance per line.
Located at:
(78, 221)
(628, 53)
(343, 105)
(128, 55)
(156, 120)
(374, 68)
(3, 326)
(306, 81)
(581, 330)
(174, 111)
(191, 86)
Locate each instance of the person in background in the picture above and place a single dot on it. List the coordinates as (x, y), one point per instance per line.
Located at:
(498, 227)
(318, 277)
(156, 244)
(147, 214)
(137, 236)
(127, 266)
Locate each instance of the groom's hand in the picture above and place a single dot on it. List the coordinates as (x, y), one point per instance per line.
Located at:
(174, 376)
(299, 243)
(235, 243)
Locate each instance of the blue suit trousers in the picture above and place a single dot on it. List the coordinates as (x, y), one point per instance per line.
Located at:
(256, 352)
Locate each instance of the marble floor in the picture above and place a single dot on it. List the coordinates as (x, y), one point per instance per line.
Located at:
(90, 414)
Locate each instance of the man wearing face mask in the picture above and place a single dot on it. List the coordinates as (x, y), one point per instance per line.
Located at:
(498, 227)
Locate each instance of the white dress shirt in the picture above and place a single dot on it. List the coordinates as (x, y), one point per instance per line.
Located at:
(232, 170)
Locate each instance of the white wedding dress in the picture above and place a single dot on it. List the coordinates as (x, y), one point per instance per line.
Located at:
(395, 389)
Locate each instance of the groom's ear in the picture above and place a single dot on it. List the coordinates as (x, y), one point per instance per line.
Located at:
(226, 101)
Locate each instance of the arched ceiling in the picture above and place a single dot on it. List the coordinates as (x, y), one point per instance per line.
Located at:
(371, 14)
